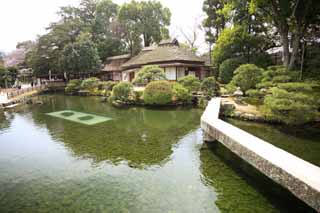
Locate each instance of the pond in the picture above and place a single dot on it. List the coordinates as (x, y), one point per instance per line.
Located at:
(139, 160)
(303, 142)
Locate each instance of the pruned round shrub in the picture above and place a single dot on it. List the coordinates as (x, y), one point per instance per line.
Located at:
(254, 93)
(148, 74)
(158, 93)
(210, 87)
(181, 94)
(121, 91)
(296, 87)
(90, 84)
(73, 86)
(190, 82)
(264, 85)
(247, 76)
(291, 108)
(227, 69)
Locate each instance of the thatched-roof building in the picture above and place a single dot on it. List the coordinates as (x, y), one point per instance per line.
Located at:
(175, 60)
(113, 70)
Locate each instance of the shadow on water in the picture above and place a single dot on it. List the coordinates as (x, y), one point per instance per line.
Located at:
(278, 196)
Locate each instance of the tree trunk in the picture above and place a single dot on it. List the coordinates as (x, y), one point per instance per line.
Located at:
(295, 50)
(147, 40)
(284, 31)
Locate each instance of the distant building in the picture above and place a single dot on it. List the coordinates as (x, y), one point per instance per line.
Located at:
(176, 61)
(113, 70)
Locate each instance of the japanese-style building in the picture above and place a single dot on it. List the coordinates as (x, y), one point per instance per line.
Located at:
(113, 70)
(176, 61)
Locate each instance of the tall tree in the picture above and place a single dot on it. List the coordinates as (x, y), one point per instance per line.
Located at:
(292, 19)
(148, 19)
(215, 21)
(80, 56)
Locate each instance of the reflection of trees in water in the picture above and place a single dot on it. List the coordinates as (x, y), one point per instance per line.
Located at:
(233, 191)
(5, 120)
(239, 186)
(143, 137)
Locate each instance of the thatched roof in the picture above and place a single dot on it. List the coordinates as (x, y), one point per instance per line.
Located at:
(125, 56)
(163, 54)
(114, 63)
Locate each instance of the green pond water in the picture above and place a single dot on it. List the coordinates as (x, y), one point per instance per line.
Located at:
(142, 160)
(303, 142)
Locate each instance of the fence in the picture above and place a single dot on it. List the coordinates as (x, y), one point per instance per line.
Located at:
(17, 92)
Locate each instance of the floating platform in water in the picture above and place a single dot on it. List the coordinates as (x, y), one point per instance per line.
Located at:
(80, 117)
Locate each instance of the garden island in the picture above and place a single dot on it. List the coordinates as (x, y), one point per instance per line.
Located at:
(112, 111)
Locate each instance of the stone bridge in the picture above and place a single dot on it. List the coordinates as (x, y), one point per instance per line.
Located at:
(299, 177)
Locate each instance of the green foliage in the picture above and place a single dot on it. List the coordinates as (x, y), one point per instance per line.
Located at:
(312, 62)
(293, 108)
(254, 93)
(247, 76)
(158, 93)
(138, 96)
(109, 85)
(262, 60)
(81, 56)
(190, 82)
(296, 87)
(132, 17)
(236, 41)
(122, 91)
(73, 86)
(231, 88)
(279, 74)
(264, 85)
(7, 76)
(215, 21)
(181, 94)
(281, 79)
(227, 69)
(148, 74)
(203, 102)
(90, 84)
(210, 87)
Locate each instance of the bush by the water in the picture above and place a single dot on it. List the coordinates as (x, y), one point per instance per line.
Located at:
(190, 82)
(148, 74)
(210, 87)
(247, 76)
(107, 85)
(121, 92)
(73, 86)
(291, 108)
(227, 69)
(181, 94)
(158, 93)
(90, 84)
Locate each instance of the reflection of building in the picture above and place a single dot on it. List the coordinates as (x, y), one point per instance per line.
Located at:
(175, 60)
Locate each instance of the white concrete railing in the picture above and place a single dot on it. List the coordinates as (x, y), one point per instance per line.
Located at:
(296, 175)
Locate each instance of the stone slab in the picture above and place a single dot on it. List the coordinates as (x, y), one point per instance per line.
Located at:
(295, 174)
(79, 117)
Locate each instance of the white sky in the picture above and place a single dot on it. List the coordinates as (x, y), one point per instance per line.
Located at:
(22, 20)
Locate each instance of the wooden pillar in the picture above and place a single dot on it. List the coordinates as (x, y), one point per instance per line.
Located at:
(176, 73)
